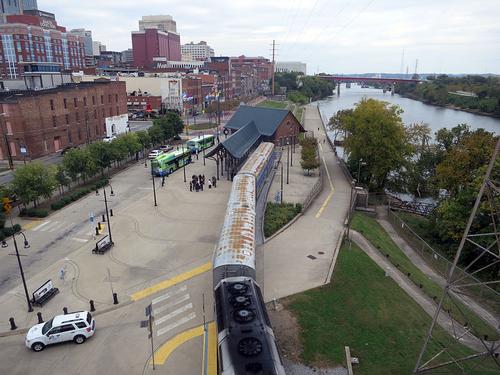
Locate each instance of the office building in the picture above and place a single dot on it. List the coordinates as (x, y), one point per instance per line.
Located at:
(128, 57)
(17, 6)
(36, 43)
(291, 66)
(197, 51)
(86, 35)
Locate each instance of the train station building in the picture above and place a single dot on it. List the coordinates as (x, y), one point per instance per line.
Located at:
(248, 127)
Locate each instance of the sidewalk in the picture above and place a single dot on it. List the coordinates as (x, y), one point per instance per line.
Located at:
(151, 244)
(302, 256)
(422, 265)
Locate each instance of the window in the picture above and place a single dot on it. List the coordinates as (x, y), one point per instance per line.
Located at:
(95, 114)
(79, 134)
(52, 104)
(69, 137)
(65, 103)
(93, 100)
(67, 119)
(77, 116)
(109, 98)
(117, 111)
(75, 102)
(84, 101)
(67, 328)
(55, 330)
(54, 121)
(116, 98)
(96, 129)
(81, 325)
(102, 99)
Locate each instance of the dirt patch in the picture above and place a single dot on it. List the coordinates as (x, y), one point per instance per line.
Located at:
(286, 330)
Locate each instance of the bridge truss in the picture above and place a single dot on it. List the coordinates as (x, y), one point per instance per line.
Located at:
(435, 357)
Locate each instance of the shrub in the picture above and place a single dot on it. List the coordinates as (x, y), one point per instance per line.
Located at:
(80, 193)
(278, 215)
(2, 220)
(34, 212)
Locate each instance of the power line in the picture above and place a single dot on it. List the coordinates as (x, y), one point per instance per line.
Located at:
(304, 24)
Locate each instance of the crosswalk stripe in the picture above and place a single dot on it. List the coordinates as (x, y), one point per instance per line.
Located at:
(58, 226)
(176, 324)
(160, 309)
(42, 225)
(170, 315)
(50, 226)
(169, 294)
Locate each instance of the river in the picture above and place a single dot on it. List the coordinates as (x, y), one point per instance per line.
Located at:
(414, 111)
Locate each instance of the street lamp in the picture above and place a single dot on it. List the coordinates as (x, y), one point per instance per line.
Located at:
(287, 161)
(26, 246)
(107, 212)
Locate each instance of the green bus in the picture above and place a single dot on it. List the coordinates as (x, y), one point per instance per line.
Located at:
(200, 143)
(167, 163)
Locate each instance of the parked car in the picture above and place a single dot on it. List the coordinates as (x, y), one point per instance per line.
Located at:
(76, 327)
(109, 139)
(153, 154)
(166, 148)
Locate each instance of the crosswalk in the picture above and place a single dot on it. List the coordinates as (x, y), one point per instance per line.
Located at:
(83, 234)
(172, 309)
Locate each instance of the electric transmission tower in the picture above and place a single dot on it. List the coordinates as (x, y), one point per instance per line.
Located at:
(478, 281)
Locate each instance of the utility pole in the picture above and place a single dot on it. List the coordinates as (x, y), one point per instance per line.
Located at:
(274, 49)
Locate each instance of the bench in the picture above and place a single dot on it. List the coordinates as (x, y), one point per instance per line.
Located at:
(103, 245)
(44, 293)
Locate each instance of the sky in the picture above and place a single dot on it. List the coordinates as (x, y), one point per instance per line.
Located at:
(331, 36)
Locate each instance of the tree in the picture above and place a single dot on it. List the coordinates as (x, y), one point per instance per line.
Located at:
(33, 181)
(61, 178)
(309, 154)
(103, 155)
(155, 134)
(144, 139)
(79, 164)
(374, 133)
(176, 121)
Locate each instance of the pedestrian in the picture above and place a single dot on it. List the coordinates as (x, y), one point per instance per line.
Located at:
(209, 183)
(318, 129)
(199, 179)
(214, 182)
(203, 178)
(201, 185)
(197, 186)
(162, 181)
(190, 186)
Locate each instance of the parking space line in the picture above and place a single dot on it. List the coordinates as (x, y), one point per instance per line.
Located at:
(164, 351)
(171, 282)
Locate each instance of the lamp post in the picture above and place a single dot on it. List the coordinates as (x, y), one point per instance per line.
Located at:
(26, 245)
(184, 162)
(287, 162)
(281, 195)
(107, 211)
(154, 189)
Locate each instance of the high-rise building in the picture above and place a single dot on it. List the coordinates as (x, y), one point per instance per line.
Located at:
(17, 6)
(87, 42)
(154, 40)
(164, 23)
(198, 51)
(97, 48)
(128, 57)
(36, 43)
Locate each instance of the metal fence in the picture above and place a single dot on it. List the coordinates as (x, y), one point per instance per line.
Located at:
(487, 295)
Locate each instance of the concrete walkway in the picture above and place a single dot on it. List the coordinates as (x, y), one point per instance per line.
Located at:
(454, 328)
(302, 256)
(415, 258)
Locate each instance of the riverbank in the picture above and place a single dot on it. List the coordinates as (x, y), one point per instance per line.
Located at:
(450, 106)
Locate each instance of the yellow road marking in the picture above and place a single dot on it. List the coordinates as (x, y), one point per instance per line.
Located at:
(325, 203)
(170, 282)
(164, 351)
(212, 349)
(32, 224)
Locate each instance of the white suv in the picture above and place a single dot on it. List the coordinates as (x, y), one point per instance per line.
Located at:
(77, 326)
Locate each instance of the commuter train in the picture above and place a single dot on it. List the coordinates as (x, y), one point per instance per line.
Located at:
(246, 342)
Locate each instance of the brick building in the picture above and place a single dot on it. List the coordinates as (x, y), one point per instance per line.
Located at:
(47, 121)
(249, 127)
(36, 43)
(148, 44)
(192, 88)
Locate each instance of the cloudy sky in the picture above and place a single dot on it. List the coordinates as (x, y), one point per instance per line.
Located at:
(334, 36)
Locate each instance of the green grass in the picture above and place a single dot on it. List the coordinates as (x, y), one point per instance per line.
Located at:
(379, 238)
(202, 126)
(363, 309)
(278, 215)
(272, 104)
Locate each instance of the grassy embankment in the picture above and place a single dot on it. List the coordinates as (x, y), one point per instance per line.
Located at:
(273, 104)
(379, 238)
(202, 126)
(367, 311)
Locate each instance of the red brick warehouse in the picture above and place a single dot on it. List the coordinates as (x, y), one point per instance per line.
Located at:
(47, 121)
